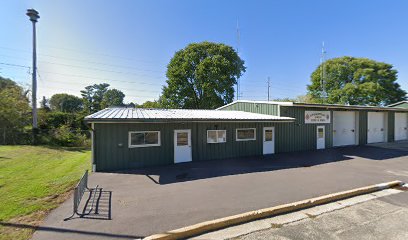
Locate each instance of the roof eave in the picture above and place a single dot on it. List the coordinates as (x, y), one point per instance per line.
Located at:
(349, 107)
(118, 120)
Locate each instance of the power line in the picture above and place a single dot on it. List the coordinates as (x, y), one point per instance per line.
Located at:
(76, 90)
(13, 65)
(84, 52)
(84, 76)
(132, 89)
(84, 61)
(99, 54)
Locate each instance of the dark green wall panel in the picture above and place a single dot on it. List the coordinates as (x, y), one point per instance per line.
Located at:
(391, 125)
(300, 136)
(263, 108)
(362, 134)
(111, 156)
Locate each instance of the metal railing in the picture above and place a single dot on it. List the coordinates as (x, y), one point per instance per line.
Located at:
(79, 191)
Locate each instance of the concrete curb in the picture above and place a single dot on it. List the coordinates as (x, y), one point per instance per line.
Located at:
(216, 224)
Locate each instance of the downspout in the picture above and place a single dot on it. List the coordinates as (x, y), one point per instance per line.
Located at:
(93, 147)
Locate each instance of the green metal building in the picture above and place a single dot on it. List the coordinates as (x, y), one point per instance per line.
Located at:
(127, 138)
(319, 126)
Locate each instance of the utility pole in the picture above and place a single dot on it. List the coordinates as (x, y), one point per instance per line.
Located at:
(269, 86)
(33, 14)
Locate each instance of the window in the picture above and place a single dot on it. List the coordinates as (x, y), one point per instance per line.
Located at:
(182, 138)
(245, 134)
(320, 132)
(144, 139)
(216, 136)
(268, 135)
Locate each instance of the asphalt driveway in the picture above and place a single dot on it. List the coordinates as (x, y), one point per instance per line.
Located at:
(154, 200)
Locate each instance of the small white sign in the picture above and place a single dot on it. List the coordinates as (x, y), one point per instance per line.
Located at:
(317, 116)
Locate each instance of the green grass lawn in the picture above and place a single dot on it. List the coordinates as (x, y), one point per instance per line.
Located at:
(34, 180)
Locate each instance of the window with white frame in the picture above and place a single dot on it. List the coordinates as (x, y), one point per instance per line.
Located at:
(216, 136)
(144, 139)
(245, 134)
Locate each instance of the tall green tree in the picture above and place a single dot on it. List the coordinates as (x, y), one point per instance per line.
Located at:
(112, 97)
(93, 96)
(202, 75)
(14, 110)
(150, 104)
(65, 103)
(355, 81)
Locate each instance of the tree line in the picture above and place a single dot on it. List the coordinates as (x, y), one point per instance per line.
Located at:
(60, 118)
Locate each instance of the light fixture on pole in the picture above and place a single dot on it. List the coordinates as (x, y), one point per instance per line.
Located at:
(33, 14)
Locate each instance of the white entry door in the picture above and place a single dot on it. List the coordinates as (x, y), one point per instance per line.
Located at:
(320, 137)
(376, 127)
(182, 146)
(401, 126)
(268, 140)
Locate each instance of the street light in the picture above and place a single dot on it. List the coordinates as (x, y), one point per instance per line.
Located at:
(33, 14)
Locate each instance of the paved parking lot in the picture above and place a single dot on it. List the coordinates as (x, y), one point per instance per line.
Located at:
(154, 200)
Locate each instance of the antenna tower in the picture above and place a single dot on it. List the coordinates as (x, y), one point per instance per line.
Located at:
(238, 42)
(323, 71)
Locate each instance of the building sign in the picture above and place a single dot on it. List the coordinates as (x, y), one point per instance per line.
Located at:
(317, 116)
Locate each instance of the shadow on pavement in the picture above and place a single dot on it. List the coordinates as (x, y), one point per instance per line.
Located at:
(63, 230)
(223, 167)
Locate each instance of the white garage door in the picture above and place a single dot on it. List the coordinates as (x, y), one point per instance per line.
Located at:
(401, 126)
(376, 127)
(344, 128)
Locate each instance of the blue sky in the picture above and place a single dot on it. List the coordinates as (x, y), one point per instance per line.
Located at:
(129, 43)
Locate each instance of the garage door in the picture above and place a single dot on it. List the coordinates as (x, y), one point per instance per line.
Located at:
(401, 126)
(344, 128)
(376, 127)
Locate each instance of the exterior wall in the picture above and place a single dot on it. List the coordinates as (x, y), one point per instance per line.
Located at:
(390, 126)
(270, 109)
(363, 126)
(112, 151)
(299, 136)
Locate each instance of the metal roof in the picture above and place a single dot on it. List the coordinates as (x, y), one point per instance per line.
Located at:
(397, 103)
(316, 105)
(167, 115)
(355, 107)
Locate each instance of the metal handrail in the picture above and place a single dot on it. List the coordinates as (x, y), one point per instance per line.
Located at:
(79, 191)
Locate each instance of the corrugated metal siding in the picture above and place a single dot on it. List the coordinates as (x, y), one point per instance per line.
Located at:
(391, 125)
(299, 136)
(270, 109)
(110, 156)
(363, 126)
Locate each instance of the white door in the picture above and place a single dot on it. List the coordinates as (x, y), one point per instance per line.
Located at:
(344, 128)
(268, 140)
(320, 137)
(401, 126)
(182, 146)
(376, 127)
